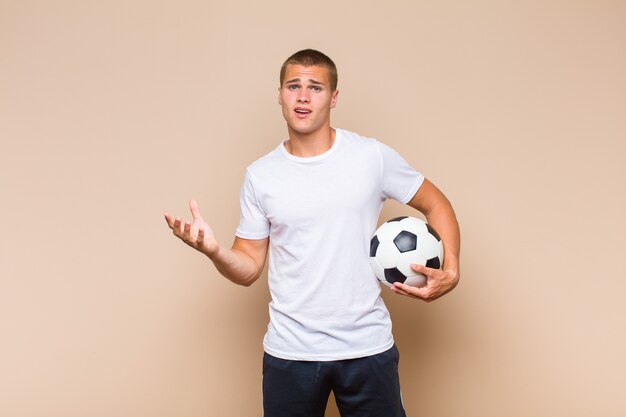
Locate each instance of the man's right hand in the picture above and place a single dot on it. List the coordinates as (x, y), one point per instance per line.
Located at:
(197, 234)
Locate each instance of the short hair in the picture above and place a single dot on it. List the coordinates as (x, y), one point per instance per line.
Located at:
(309, 58)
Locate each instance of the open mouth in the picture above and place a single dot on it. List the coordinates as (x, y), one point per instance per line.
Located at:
(302, 112)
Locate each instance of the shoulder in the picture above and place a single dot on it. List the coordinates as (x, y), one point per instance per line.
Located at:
(266, 162)
(353, 137)
(355, 140)
(365, 143)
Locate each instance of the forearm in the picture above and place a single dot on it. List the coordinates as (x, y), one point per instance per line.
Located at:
(235, 265)
(440, 215)
(443, 219)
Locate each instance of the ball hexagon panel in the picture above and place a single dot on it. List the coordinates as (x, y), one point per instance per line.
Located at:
(387, 254)
(413, 224)
(379, 271)
(406, 259)
(418, 281)
(428, 245)
(388, 231)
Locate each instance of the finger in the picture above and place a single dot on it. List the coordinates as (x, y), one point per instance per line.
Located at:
(169, 220)
(425, 293)
(412, 291)
(187, 231)
(195, 211)
(419, 268)
(401, 291)
(398, 290)
(424, 270)
(200, 236)
(177, 228)
(402, 288)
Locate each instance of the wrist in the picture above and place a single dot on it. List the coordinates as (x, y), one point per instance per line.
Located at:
(213, 253)
(451, 267)
(453, 273)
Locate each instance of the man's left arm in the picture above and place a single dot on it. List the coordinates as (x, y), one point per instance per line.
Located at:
(439, 213)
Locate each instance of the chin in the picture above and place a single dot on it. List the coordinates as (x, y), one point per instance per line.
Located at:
(303, 130)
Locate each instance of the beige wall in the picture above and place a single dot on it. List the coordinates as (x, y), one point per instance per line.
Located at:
(113, 112)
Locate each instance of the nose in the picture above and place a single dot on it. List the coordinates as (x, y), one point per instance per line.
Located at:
(303, 97)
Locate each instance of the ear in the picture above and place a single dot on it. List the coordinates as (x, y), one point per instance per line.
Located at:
(333, 99)
(280, 99)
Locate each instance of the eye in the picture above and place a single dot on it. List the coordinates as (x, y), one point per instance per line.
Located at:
(293, 87)
(316, 88)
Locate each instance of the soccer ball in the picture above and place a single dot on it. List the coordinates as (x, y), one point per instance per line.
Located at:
(400, 242)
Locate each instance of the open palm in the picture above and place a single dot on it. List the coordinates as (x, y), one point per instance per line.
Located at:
(197, 233)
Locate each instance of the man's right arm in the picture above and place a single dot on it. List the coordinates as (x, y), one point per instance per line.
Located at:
(242, 264)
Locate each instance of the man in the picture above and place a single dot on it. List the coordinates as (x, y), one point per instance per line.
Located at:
(314, 201)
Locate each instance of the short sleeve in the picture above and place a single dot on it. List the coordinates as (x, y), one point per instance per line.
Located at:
(400, 180)
(253, 224)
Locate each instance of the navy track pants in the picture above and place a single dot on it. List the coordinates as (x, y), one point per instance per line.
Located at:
(363, 387)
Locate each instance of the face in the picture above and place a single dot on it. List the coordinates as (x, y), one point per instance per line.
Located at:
(306, 98)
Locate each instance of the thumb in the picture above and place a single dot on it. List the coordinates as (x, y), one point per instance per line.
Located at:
(195, 211)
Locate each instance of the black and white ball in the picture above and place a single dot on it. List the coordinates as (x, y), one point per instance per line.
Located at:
(400, 242)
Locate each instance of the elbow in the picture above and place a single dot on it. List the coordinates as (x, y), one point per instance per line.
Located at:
(239, 279)
(248, 281)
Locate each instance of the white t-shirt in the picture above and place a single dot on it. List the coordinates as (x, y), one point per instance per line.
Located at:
(320, 214)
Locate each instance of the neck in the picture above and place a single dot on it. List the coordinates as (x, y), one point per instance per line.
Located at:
(306, 145)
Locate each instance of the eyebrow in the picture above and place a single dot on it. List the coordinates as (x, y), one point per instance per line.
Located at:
(311, 80)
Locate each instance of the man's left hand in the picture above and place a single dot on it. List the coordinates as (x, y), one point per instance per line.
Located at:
(438, 283)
